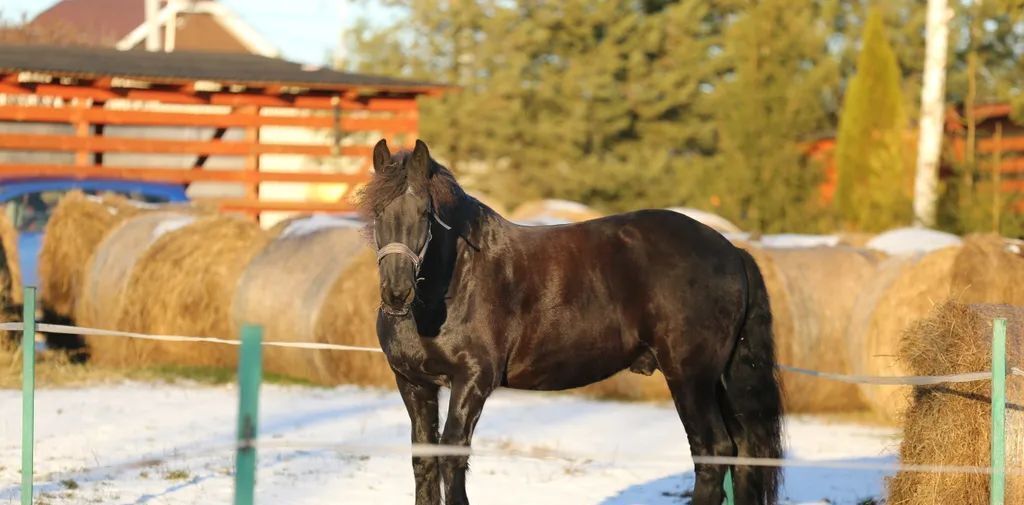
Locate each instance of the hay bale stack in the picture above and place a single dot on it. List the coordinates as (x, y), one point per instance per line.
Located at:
(907, 289)
(547, 212)
(286, 288)
(183, 285)
(950, 424)
(77, 225)
(10, 269)
(106, 277)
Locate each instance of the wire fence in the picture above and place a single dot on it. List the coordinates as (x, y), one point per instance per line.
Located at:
(910, 380)
(248, 442)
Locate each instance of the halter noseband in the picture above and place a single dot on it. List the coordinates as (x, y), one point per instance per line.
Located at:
(404, 250)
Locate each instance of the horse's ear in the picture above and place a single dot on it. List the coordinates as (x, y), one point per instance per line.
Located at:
(381, 155)
(420, 162)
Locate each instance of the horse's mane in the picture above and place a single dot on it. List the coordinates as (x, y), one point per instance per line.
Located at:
(393, 180)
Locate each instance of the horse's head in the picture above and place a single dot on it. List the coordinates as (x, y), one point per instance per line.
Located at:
(402, 213)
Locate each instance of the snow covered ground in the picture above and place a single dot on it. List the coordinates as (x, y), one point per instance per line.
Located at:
(140, 443)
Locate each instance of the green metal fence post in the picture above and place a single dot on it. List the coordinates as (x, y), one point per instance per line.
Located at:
(998, 483)
(28, 395)
(249, 373)
(729, 493)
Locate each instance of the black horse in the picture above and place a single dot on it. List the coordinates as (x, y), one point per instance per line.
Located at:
(473, 302)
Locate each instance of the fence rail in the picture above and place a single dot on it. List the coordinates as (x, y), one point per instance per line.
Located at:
(250, 371)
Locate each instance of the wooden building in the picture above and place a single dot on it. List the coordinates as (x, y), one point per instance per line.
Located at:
(251, 129)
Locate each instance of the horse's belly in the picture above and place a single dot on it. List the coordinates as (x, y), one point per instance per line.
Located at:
(557, 367)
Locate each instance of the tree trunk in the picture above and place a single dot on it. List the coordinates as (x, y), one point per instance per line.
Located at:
(932, 108)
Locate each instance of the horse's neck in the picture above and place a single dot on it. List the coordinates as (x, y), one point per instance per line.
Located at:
(474, 227)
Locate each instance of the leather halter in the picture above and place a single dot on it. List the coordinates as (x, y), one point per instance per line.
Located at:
(404, 250)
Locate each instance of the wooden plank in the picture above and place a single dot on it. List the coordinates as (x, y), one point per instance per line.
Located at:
(30, 142)
(173, 175)
(252, 161)
(256, 206)
(398, 124)
(1008, 144)
(1012, 165)
(83, 130)
(1013, 186)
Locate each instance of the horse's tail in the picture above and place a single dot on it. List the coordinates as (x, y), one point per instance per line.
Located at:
(754, 395)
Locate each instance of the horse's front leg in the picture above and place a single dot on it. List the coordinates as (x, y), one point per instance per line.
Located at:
(464, 408)
(421, 402)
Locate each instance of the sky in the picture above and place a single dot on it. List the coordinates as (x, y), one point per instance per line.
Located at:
(304, 30)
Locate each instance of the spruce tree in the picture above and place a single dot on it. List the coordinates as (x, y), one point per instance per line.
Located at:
(874, 179)
(768, 104)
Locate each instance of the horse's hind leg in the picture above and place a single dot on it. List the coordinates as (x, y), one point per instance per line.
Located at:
(696, 401)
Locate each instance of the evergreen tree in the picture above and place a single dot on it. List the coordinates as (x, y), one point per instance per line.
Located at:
(874, 180)
(766, 108)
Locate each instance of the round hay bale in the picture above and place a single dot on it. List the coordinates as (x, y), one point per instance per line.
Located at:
(106, 277)
(286, 289)
(547, 212)
(716, 222)
(950, 424)
(489, 201)
(352, 320)
(907, 288)
(904, 290)
(10, 269)
(183, 285)
(77, 225)
(813, 292)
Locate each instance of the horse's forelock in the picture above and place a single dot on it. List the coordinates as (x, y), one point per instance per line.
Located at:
(393, 181)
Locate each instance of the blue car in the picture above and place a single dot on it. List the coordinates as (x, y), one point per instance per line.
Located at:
(29, 203)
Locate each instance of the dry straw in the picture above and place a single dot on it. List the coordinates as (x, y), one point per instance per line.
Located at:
(77, 225)
(315, 282)
(813, 291)
(950, 424)
(982, 270)
(100, 300)
(183, 285)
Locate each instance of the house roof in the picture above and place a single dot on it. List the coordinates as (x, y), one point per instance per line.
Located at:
(183, 67)
(202, 25)
(101, 22)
